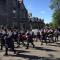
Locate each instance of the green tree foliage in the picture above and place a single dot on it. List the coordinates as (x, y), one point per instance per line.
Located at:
(56, 18)
(51, 25)
(47, 25)
(55, 6)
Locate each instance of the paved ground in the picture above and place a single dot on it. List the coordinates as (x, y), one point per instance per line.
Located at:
(44, 52)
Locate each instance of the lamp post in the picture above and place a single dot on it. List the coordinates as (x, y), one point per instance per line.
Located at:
(7, 13)
(14, 17)
(14, 11)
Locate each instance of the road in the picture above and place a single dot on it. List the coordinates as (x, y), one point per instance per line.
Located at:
(51, 51)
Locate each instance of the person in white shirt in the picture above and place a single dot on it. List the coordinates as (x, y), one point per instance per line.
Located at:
(9, 42)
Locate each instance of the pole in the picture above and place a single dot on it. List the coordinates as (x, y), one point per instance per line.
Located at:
(7, 12)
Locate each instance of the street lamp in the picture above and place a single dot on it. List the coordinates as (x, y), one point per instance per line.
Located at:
(14, 11)
(14, 17)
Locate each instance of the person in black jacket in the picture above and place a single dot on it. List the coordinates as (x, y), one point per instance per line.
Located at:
(29, 40)
(9, 43)
(1, 39)
(2, 34)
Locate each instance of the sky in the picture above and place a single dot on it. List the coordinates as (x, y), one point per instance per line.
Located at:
(39, 8)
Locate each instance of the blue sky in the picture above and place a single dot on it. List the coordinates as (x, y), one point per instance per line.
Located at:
(39, 8)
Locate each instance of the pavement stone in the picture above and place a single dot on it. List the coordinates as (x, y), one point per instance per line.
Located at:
(51, 51)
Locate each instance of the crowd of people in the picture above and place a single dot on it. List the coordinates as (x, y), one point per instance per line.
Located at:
(8, 37)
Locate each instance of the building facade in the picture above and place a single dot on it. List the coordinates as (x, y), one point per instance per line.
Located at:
(13, 13)
(35, 22)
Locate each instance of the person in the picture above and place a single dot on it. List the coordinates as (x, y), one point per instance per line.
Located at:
(56, 34)
(33, 35)
(2, 37)
(15, 36)
(29, 40)
(43, 36)
(50, 35)
(42, 33)
(9, 42)
(38, 35)
(21, 38)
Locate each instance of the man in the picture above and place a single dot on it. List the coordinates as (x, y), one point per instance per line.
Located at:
(29, 40)
(2, 38)
(56, 34)
(43, 36)
(22, 37)
(38, 35)
(50, 35)
(9, 42)
(15, 37)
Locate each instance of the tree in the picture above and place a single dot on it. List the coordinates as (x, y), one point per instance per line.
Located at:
(56, 18)
(55, 4)
(47, 24)
(51, 25)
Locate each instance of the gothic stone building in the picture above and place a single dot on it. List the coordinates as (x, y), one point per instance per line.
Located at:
(13, 13)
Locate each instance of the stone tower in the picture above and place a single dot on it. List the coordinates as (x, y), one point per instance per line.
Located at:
(13, 13)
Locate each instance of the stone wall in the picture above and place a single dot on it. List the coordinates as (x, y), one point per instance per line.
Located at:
(9, 17)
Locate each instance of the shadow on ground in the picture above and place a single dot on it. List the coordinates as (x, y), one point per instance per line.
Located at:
(20, 51)
(45, 49)
(2, 50)
(31, 57)
(56, 45)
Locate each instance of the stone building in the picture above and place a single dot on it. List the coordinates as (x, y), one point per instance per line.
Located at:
(35, 22)
(13, 13)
